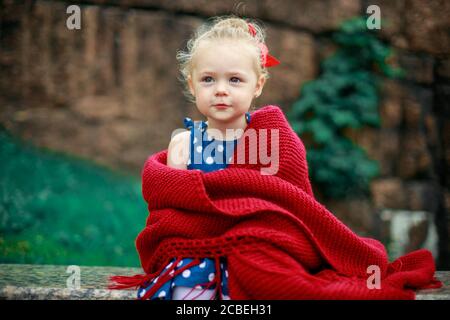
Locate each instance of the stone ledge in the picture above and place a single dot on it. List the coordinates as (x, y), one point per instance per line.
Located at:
(48, 282)
(33, 293)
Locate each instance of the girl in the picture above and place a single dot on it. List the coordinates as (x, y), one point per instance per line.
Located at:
(266, 231)
(224, 69)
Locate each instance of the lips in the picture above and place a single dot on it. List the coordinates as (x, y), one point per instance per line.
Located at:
(221, 105)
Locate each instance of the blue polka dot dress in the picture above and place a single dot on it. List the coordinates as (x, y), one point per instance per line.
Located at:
(206, 154)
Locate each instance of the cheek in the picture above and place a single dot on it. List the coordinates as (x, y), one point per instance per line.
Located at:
(244, 94)
(204, 94)
(199, 92)
(203, 98)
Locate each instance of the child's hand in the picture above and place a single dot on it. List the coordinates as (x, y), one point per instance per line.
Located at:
(178, 150)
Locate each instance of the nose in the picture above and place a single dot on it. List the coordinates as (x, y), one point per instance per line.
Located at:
(221, 89)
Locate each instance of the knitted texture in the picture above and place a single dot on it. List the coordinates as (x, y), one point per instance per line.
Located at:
(280, 242)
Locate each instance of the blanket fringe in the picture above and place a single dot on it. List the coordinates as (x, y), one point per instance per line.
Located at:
(169, 274)
(434, 284)
(218, 279)
(207, 285)
(126, 282)
(142, 280)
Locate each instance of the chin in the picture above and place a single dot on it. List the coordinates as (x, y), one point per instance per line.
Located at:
(223, 112)
(221, 116)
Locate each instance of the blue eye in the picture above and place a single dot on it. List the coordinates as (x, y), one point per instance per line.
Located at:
(236, 80)
(205, 79)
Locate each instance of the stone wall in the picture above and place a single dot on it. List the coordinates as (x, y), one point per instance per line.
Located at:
(109, 92)
(413, 145)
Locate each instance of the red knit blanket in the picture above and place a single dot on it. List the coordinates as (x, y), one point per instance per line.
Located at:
(280, 243)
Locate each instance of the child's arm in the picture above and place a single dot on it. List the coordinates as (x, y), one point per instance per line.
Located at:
(178, 151)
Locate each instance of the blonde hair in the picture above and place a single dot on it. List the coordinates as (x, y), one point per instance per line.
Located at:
(221, 28)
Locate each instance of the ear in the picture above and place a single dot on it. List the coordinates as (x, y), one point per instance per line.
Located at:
(260, 85)
(190, 85)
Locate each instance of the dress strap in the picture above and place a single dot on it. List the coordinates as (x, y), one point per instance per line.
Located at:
(188, 123)
(202, 125)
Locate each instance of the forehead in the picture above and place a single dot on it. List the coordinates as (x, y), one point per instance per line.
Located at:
(223, 56)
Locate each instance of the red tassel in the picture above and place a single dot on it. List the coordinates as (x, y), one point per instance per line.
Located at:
(162, 278)
(125, 282)
(434, 284)
(218, 279)
(168, 275)
(207, 286)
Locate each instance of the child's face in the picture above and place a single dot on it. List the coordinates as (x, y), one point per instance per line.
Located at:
(224, 73)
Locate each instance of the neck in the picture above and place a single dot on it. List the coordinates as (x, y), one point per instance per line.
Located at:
(234, 127)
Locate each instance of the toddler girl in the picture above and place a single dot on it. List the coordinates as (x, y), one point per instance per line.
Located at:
(224, 69)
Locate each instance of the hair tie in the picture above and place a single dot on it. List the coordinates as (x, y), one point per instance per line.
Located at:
(266, 58)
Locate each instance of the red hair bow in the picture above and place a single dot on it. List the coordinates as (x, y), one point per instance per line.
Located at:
(267, 59)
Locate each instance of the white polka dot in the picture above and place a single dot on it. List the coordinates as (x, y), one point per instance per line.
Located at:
(169, 265)
(195, 140)
(156, 279)
(162, 294)
(211, 277)
(202, 265)
(221, 169)
(180, 263)
(229, 159)
(220, 148)
(225, 297)
(142, 293)
(173, 284)
(209, 160)
(171, 273)
(186, 273)
(198, 287)
(199, 149)
(226, 273)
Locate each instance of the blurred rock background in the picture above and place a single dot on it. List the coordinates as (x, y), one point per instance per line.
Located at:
(109, 91)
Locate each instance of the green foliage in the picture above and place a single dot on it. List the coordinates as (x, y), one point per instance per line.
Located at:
(344, 96)
(55, 209)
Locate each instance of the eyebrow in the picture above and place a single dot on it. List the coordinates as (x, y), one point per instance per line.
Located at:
(228, 73)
